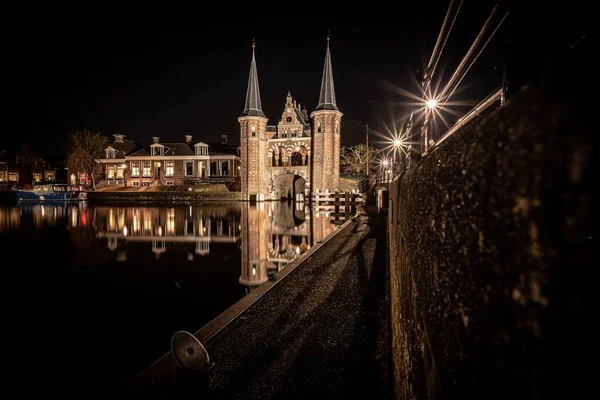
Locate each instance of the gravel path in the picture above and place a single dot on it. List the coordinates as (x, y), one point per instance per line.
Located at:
(320, 332)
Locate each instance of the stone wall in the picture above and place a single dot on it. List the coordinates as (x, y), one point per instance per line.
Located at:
(163, 197)
(491, 254)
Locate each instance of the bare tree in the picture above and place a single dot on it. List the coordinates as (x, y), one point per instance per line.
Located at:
(353, 160)
(85, 148)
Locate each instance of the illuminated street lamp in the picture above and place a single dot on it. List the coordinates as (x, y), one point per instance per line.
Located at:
(386, 168)
(431, 104)
(397, 144)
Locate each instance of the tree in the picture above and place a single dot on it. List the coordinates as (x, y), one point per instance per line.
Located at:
(85, 148)
(353, 160)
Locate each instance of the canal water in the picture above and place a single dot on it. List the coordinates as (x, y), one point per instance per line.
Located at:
(102, 288)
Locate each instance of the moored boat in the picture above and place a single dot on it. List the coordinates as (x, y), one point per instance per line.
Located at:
(50, 192)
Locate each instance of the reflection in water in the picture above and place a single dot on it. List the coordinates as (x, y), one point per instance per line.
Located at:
(140, 273)
(189, 229)
(273, 235)
(31, 215)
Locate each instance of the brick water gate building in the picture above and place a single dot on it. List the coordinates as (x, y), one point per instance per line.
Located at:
(299, 156)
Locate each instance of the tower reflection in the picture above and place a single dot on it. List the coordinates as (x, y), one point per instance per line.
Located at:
(266, 236)
(274, 234)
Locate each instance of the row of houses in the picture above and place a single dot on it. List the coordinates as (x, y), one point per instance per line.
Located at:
(127, 163)
(23, 167)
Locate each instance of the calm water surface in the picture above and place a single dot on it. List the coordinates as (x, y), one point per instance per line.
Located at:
(105, 287)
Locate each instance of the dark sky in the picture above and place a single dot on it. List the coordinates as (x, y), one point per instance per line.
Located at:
(145, 79)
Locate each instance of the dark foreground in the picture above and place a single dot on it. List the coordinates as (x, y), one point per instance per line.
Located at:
(320, 332)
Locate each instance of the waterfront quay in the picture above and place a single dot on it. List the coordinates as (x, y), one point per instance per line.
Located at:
(319, 327)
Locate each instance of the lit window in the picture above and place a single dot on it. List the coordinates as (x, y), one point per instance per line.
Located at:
(169, 168)
(253, 131)
(146, 168)
(135, 168)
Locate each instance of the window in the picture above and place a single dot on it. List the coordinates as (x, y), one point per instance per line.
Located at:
(135, 183)
(213, 168)
(119, 172)
(157, 150)
(37, 177)
(253, 131)
(225, 168)
(319, 126)
(337, 126)
(146, 168)
(111, 153)
(169, 168)
(135, 168)
(169, 183)
(189, 168)
(110, 172)
(201, 150)
(48, 175)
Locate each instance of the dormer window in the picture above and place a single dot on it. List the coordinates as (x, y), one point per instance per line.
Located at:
(157, 150)
(201, 149)
(111, 153)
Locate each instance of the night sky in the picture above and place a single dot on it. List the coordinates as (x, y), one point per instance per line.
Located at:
(145, 80)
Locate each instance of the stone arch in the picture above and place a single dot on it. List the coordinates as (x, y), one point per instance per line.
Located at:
(276, 156)
(299, 155)
(289, 186)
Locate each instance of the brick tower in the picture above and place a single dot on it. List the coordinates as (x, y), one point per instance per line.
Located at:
(326, 121)
(253, 141)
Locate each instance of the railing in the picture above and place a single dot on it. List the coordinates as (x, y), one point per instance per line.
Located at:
(338, 207)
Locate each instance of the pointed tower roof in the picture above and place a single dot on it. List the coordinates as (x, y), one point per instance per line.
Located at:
(253, 106)
(327, 97)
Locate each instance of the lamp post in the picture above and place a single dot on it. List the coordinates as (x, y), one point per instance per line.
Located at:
(386, 171)
(430, 106)
(397, 144)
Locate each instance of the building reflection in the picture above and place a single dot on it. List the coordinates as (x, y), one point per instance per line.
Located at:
(193, 227)
(38, 216)
(268, 235)
(274, 234)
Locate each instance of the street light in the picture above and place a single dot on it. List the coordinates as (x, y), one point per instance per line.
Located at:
(431, 104)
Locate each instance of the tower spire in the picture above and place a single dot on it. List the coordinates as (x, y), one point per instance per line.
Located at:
(327, 96)
(253, 105)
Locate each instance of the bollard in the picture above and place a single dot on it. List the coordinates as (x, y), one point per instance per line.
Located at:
(191, 364)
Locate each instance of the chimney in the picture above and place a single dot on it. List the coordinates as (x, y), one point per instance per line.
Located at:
(119, 138)
(155, 139)
(223, 139)
(188, 138)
